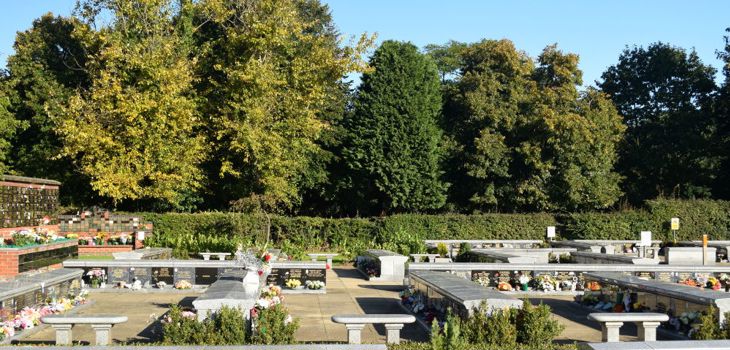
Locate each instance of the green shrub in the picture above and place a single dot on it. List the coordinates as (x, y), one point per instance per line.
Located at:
(709, 326)
(618, 225)
(696, 217)
(497, 328)
(273, 325)
(535, 325)
(228, 327)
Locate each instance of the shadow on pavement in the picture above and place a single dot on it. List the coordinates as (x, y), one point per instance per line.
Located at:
(348, 273)
(411, 332)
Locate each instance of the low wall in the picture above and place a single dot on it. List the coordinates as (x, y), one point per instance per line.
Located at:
(17, 260)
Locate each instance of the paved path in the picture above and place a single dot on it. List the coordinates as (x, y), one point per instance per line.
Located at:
(348, 293)
(142, 309)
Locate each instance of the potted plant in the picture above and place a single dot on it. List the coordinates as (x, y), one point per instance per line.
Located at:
(524, 282)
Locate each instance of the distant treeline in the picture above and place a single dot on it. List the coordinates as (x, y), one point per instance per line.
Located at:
(181, 105)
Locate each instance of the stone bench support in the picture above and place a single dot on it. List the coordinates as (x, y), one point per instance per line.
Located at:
(355, 323)
(329, 256)
(646, 323)
(221, 256)
(102, 325)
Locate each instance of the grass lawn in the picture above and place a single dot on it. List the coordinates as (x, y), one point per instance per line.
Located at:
(96, 257)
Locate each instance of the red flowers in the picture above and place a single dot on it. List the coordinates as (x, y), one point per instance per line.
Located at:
(261, 272)
(327, 266)
(267, 257)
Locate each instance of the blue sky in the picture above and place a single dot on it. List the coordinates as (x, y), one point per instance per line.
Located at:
(597, 31)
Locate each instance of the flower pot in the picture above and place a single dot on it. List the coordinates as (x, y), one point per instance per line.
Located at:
(525, 287)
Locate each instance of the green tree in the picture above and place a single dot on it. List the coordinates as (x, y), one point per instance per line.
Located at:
(721, 188)
(272, 73)
(392, 148)
(49, 63)
(447, 57)
(132, 130)
(527, 140)
(664, 95)
(9, 126)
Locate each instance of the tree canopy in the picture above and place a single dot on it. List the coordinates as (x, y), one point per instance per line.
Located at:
(391, 148)
(665, 96)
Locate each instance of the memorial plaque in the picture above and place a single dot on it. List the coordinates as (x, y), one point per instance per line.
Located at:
(63, 289)
(36, 260)
(664, 276)
(163, 274)
(684, 276)
(142, 274)
(503, 276)
(277, 277)
(185, 274)
(645, 275)
(206, 275)
(315, 275)
(118, 274)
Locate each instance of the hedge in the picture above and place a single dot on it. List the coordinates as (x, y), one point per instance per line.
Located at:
(190, 233)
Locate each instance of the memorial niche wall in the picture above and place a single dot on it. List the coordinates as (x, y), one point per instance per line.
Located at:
(27, 201)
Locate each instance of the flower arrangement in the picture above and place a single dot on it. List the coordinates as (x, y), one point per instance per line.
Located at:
(22, 238)
(161, 284)
(504, 286)
(183, 284)
(97, 278)
(412, 299)
(482, 280)
(545, 283)
(593, 286)
(100, 238)
(270, 296)
(293, 283)
(316, 285)
(714, 283)
(72, 236)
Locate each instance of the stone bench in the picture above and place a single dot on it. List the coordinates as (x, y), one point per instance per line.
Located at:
(355, 323)
(221, 256)
(102, 325)
(690, 255)
(418, 257)
(599, 258)
(329, 256)
(646, 324)
(495, 256)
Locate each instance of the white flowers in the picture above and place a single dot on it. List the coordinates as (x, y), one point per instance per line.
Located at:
(314, 284)
(263, 303)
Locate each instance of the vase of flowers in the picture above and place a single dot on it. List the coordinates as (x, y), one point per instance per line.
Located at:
(524, 282)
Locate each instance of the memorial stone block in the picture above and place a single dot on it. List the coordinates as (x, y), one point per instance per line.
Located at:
(206, 275)
(118, 274)
(142, 274)
(185, 274)
(163, 274)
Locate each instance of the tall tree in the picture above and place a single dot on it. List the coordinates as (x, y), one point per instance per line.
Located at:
(48, 64)
(722, 115)
(132, 129)
(9, 126)
(272, 73)
(392, 145)
(664, 95)
(527, 139)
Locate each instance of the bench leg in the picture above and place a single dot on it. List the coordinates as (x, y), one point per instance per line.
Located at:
(329, 261)
(354, 333)
(647, 330)
(64, 336)
(206, 257)
(610, 331)
(103, 333)
(392, 333)
(221, 257)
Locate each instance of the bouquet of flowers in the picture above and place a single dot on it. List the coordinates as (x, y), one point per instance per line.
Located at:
(713, 283)
(545, 283)
(314, 285)
(270, 296)
(482, 280)
(293, 283)
(97, 278)
(183, 284)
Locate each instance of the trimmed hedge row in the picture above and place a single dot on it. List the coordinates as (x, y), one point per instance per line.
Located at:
(216, 231)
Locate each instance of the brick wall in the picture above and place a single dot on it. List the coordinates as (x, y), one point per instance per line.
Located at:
(9, 256)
